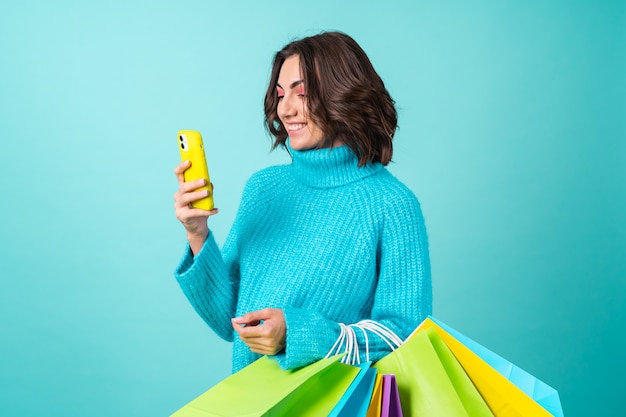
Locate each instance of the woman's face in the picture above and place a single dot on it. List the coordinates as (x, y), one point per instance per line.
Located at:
(292, 107)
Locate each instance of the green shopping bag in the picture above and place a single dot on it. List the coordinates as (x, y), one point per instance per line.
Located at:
(264, 389)
(430, 380)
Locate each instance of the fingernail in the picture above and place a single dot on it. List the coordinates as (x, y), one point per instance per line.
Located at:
(236, 319)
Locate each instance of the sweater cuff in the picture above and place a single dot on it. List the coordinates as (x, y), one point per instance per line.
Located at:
(190, 265)
(309, 338)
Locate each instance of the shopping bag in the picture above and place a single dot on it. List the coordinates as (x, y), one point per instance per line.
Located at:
(320, 395)
(542, 393)
(390, 403)
(355, 402)
(431, 382)
(264, 389)
(504, 398)
(377, 396)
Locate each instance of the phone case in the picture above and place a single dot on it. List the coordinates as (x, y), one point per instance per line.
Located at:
(192, 149)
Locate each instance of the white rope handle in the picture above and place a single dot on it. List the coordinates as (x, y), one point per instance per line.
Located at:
(336, 349)
(353, 348)
(382, 331)
(347, 337)
(346, 342)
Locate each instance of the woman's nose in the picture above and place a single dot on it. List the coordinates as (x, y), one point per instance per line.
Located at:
(285, 107)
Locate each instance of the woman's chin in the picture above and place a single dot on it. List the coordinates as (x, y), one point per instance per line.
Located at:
(302, 144)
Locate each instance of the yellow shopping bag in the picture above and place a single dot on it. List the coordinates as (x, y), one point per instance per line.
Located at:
(501, 395)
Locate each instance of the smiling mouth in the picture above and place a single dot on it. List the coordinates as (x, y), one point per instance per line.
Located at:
(295, 127)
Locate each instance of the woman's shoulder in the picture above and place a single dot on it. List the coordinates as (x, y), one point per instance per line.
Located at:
(267, 176)
(265, 180)
(389, 189)
(394, 201)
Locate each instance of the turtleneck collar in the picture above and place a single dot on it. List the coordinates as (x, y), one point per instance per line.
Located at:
(329, 167)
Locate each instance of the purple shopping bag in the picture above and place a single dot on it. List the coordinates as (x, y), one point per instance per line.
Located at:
(390, 406)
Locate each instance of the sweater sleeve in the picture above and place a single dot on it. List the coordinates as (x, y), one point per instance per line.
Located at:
(211, 279)
(402, 299)
(210, 282)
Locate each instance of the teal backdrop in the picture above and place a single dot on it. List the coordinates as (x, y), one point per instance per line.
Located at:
(512, 135)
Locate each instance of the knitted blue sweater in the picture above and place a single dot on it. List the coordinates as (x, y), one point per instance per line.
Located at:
(327, 242)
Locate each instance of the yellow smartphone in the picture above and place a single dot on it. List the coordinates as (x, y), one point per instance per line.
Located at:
(192, 149)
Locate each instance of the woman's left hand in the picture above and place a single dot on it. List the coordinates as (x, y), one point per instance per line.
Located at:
(263, 331)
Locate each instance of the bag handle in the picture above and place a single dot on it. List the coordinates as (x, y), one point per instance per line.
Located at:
(347, 341)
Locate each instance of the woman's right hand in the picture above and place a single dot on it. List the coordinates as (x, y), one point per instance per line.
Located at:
(194, 220)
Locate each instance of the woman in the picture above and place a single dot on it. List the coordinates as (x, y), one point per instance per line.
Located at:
(321, 244)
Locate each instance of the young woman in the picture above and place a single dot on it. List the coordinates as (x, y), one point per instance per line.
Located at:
(327, 245)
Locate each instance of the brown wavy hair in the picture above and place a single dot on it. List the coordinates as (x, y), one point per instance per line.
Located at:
(346, 98)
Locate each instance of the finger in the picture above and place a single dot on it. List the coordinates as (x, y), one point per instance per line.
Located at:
(194, 212)
(250, 317)
(249, 331)
(180, 169)
(262, 334)
(259, 343)
(262, 350)
(254, 316)
(187, 213)
(184, 199)
(246, 334)
(249, 324)
(188, 186)
(237, 328)
(259, 339)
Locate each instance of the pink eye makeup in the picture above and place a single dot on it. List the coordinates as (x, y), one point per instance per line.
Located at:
(296, 88)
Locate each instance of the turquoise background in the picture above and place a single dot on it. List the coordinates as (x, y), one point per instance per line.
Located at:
(513, 133)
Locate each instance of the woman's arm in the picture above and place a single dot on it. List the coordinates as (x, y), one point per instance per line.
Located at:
(207, 277)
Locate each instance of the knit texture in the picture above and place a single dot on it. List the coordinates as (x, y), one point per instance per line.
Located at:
(327, 242)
